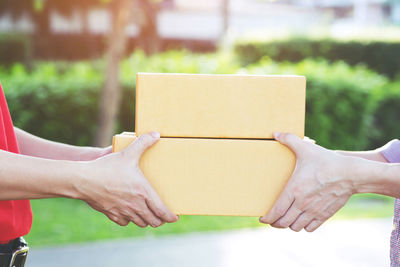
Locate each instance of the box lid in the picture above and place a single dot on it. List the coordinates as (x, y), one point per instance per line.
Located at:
(220, 106)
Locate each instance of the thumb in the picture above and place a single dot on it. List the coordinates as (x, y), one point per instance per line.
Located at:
(290, 140)
(142, 143)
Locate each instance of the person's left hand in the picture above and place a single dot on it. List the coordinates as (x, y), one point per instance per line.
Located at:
(317, 189)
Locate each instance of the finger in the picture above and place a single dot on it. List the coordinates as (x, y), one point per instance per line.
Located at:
(136, 219)
(280, 208)
(118, 220)
(157, 206)
(289, 218)
(141, 144)
(147, 215)
(314, 225)
(290, 140)
(302, 221)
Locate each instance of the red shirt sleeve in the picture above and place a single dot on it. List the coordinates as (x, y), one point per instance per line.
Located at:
(15, 215)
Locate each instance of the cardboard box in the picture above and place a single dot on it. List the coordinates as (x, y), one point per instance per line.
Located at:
(215, 176)
(219, 106)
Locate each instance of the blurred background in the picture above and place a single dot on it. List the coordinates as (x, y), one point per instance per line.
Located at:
(68, 70)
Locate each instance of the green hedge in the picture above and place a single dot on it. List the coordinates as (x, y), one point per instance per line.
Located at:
(341, 100)
(347, 107)
(381, 56)
(59, 101)
(386, 118)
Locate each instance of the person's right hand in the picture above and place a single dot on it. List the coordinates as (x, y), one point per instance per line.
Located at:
(319, 186)
(115, 186)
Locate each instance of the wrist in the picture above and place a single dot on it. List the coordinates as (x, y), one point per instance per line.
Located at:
(351, 171)
(87, 183)
(77, 180)
(343, 170)
(367, 176)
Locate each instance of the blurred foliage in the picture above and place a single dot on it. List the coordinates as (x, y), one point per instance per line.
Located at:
(59, 101)
(381, 56)
(347, 107)
(386, 116)
(54, 101)
(340, 100)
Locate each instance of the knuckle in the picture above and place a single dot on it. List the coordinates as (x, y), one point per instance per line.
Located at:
(141, 213)
(323, 215)
(160, 212)
(143, 140)
(280, 211)
(134, 207)
(284, 137)
(283, 223)
(140, 193)
(313, 213)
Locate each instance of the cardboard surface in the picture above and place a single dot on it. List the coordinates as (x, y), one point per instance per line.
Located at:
(215, 176)
(220, 106)
(123, 140)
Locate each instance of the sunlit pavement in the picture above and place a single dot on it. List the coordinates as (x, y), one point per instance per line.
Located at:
(338, 243)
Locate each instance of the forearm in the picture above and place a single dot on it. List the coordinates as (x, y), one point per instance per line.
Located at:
(374, 155)
(372, 177)
(24, 177)
(34, 146)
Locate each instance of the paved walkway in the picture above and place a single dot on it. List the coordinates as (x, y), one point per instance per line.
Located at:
(339, 243)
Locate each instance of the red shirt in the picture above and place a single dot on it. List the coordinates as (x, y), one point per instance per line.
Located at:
(15, 215)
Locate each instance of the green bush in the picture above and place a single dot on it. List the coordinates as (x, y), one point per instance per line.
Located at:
(385, 125)
(53, 102)
(59, 101)
(381, 56)
(340, 100)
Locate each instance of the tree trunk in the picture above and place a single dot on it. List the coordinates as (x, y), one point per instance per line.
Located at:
(111, 93)
(148, 39)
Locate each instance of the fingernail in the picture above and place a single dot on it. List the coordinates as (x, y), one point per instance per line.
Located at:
(155, 134)
(156, 224)
(276, 135)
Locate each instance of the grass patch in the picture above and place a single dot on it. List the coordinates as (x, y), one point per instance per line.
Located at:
(61, 221)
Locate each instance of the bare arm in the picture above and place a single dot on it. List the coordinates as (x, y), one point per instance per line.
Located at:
(324, 180)
(34, 146)
(113, 184)
(25, 177)
(374, 155)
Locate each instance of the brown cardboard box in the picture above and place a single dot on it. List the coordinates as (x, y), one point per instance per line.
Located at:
(213, 157)
(215, 176)
(219, 106)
